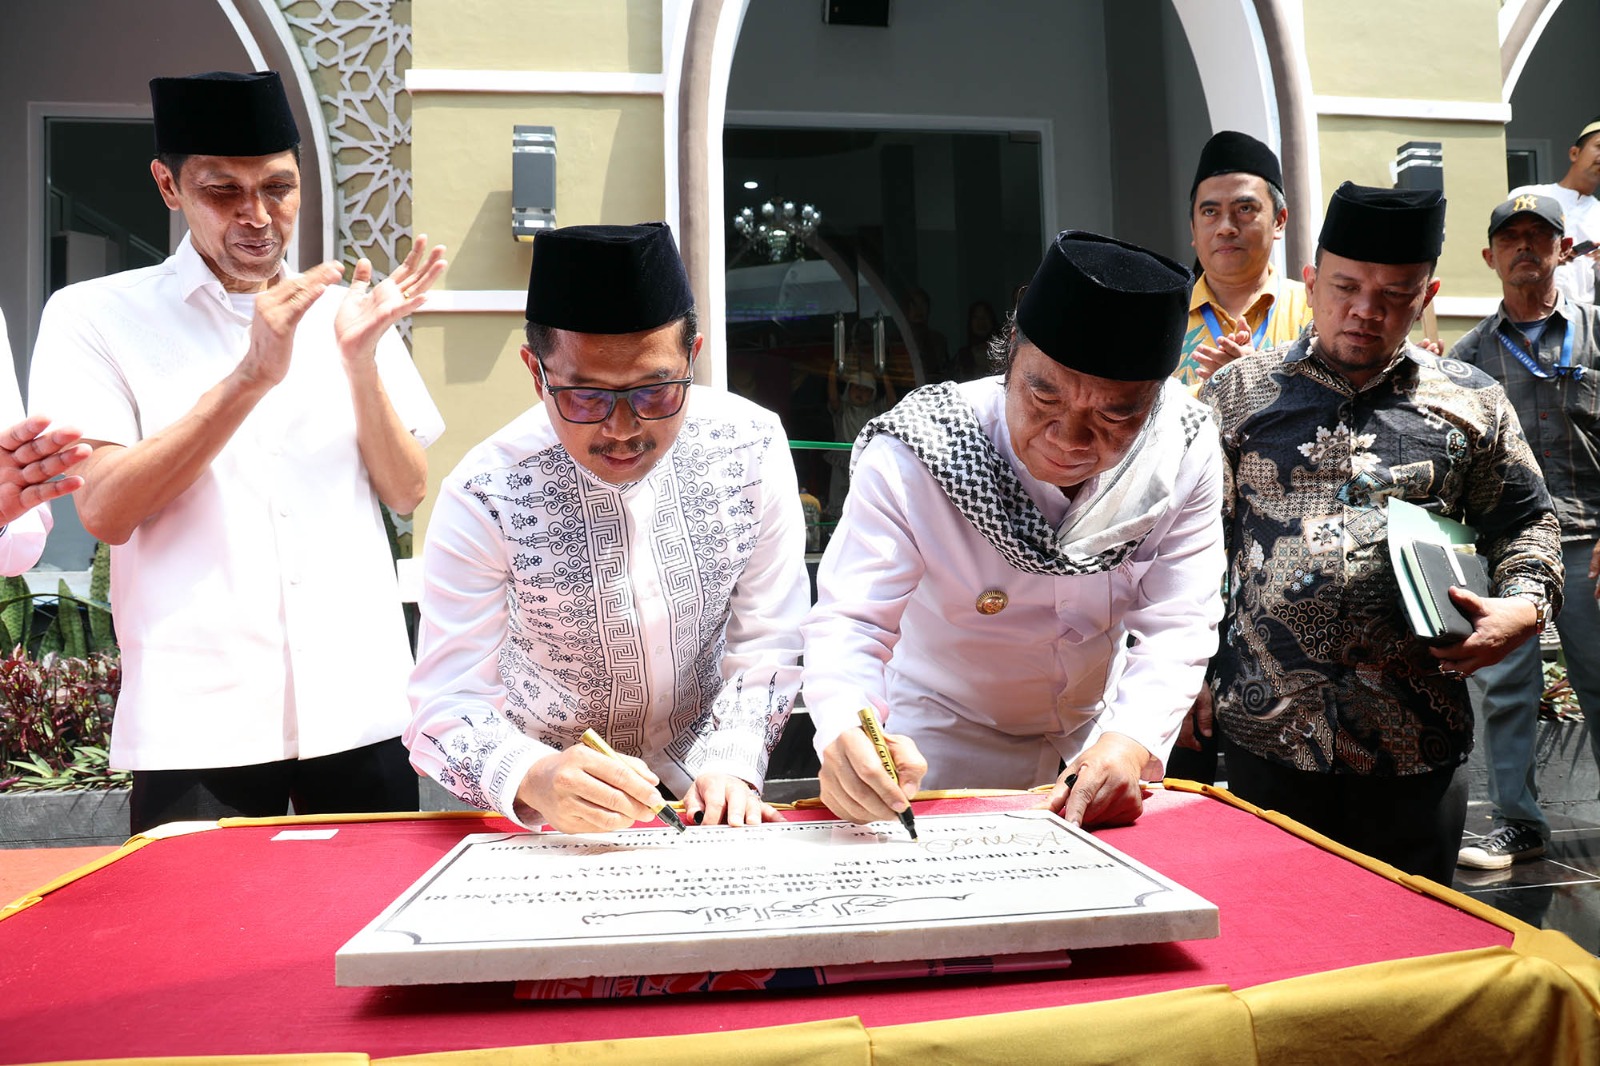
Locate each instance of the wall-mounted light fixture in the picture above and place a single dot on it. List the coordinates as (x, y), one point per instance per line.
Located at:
(1419, 165)
(533, 180)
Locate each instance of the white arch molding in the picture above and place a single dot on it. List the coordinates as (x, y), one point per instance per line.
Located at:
(1522, 23)
(1240, 86)
(710, 36)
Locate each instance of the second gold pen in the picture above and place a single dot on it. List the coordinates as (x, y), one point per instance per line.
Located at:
(869, 722)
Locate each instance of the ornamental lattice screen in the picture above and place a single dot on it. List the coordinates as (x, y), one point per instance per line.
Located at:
(357, 52)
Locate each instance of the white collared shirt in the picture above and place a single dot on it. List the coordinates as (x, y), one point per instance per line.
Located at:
(664, 613)
(23, 540)
(258, 613)
(999, 700)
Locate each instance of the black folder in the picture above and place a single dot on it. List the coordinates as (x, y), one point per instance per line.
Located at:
(1431, 573)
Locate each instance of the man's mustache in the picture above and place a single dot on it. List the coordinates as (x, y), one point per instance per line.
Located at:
(624, 450)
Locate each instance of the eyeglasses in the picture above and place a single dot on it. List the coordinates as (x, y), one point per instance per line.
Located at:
(586, 405)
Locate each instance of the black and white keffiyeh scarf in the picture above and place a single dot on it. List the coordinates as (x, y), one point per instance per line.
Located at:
(942, 430)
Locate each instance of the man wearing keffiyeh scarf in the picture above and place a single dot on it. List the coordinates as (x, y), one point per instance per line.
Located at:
(1024, 582)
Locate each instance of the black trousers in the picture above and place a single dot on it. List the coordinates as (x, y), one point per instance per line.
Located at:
(1412, 822)
(1194, 765)
(377, 777)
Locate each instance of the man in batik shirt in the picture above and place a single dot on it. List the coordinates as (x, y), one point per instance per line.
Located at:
(1330, 709)
(628, 556)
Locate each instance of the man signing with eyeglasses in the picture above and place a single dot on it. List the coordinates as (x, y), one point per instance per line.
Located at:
(627, 556)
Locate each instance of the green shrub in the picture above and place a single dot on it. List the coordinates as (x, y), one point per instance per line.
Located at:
(55, 720)
(58, 685)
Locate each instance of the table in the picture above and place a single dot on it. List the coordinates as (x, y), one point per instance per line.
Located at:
(222, 942)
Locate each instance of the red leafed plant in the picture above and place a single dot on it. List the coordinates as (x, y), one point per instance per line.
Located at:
(55, 720)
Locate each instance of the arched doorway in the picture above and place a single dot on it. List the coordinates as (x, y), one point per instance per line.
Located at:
(1112, 100)
(1550, 83)
(1261, 90)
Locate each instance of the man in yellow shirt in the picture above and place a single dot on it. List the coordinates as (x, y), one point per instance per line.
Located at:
(1240, 302)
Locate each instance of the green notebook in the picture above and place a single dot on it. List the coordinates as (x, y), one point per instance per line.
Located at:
(1409, 525)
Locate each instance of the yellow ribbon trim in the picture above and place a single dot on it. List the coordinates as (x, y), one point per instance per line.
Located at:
(28, 899)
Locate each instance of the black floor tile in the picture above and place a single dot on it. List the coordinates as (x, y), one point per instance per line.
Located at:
(1530, 874)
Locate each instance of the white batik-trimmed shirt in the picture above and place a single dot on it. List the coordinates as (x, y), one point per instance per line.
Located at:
(664, 613)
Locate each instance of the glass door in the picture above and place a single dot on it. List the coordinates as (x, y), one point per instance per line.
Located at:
(863, 264)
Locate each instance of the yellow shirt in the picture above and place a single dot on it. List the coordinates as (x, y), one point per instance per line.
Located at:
(1283, 299)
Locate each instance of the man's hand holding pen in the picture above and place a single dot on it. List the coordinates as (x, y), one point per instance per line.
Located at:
(581, 790)
(857, 787)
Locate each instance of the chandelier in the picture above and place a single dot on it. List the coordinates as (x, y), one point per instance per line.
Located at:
(778, 230)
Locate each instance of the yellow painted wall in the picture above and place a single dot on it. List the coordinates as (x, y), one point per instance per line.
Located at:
(1360, 150)
(1421, 49)
(471, 367)
(601, 35)
(609, 168)
(1445, 50)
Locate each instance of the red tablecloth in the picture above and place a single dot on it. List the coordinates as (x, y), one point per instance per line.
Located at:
(223, 942)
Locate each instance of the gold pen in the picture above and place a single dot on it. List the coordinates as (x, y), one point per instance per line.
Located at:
(869, 722)
(661, 810)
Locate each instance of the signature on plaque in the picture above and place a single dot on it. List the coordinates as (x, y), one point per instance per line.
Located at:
(845, 906)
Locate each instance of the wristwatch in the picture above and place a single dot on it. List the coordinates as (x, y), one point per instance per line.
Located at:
(1541, 604)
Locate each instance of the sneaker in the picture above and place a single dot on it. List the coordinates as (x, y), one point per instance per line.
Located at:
(1501, 848)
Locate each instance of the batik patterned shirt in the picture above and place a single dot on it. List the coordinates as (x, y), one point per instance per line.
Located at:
(664, 614)
(1317, 667)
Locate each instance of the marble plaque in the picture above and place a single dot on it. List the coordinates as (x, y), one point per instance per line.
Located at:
(521, 906)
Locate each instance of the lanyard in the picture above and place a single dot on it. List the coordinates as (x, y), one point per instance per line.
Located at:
(1216, 329)
(1563, 369)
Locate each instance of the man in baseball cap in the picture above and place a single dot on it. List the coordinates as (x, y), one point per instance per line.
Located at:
(1543, 348)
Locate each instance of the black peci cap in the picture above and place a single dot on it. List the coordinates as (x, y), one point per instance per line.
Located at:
(607, 279)
(222, 113)
(1232, 152)
(1086, 278)
(1384, 225)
